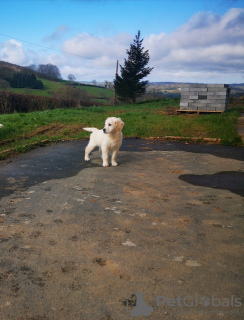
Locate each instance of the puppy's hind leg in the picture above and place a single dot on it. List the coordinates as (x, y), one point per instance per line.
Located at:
(88, 150)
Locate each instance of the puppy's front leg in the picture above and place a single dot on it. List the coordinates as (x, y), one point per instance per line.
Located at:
(105, 157)
(114, 155)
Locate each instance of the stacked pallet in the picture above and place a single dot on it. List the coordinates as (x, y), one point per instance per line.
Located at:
(205, 97)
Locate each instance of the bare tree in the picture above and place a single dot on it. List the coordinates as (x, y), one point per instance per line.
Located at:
(71, 77)
(32, 67)
(49, 70)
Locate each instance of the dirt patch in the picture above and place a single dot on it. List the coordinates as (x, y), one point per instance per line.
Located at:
(51, 130)
(168, 111)
(57, 128)
(118, 112)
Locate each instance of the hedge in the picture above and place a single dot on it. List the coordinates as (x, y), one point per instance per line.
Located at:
(15, 102)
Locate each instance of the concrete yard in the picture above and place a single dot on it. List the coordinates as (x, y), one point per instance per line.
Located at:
(79, 241)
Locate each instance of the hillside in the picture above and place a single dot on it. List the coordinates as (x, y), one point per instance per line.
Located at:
(54, 88)
(173, 89)
(7, 70)
(64, 88)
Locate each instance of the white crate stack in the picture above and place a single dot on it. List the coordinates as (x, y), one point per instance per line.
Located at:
(205, 97)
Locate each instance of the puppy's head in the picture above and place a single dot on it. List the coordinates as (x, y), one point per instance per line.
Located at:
(113, 125)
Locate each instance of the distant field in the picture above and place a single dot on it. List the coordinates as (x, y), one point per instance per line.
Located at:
(23, 131)
(173, 90)
(50, 87)
(98, 93)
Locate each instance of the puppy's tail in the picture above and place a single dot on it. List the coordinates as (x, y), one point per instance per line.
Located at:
(90, 129)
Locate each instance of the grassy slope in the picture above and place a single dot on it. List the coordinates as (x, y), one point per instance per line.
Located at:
(52, 86)
(144, 120)
(48, 87)
(9, 69)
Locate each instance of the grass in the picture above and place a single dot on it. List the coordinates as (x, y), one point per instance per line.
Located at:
(149, 119)
(51, 87)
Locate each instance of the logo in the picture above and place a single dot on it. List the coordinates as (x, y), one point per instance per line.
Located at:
(195, 301)
(140, 308)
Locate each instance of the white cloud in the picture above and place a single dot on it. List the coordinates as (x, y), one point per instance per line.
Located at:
(103, 52)
(87, 45)
(205, 29)
(208, 48)
(13, 52)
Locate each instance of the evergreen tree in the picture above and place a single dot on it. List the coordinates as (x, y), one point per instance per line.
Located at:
(38, 84)
(32, 81)
(129, 86)
(23, 80)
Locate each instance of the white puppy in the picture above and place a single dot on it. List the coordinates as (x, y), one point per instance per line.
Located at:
(108, 139)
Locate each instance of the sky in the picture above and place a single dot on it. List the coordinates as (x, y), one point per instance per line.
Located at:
(188, 40)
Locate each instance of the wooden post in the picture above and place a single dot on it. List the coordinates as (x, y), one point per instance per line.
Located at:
(117, 65)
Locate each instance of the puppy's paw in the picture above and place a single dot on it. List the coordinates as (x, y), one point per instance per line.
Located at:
(105, 164)
(87, 159)
(114, 164)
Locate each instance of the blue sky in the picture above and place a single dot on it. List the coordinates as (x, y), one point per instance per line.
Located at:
(188, 40)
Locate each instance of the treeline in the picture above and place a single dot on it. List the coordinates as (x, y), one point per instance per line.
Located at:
(22, 80)
(26, 77)
(49, 70)
(14, 102)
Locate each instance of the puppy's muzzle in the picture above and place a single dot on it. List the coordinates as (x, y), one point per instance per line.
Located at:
(104, 130)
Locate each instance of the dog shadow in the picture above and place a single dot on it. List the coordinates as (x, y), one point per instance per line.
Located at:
(226, 180)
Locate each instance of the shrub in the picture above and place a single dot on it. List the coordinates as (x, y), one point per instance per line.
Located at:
(14, 102)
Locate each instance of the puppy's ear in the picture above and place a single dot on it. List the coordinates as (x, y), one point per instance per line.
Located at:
(119, 124)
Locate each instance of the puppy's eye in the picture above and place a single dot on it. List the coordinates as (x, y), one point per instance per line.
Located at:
(109, 124)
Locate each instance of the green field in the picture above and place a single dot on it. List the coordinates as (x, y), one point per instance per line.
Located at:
(149, 119)
(51, 87)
